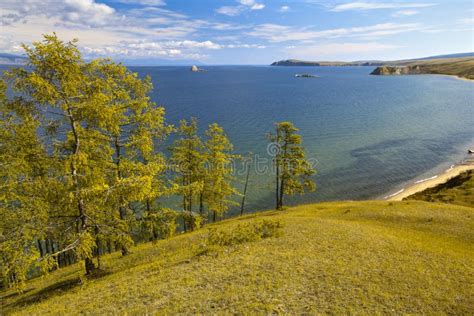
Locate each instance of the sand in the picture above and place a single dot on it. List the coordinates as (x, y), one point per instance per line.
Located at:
(430, 182)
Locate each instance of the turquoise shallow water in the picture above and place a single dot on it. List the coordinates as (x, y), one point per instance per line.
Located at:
(370, 135)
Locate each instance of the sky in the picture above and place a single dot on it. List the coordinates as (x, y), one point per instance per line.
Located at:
(256, 32)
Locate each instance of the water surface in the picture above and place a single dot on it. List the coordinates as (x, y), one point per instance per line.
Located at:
(371, 135)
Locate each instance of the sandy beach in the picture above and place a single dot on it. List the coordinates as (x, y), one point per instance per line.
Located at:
(422, 185)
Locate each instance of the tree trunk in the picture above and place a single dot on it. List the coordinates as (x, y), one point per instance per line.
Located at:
(122, 209)
(40, 248)
(89, 265)
(282, 180)
(190, 203)
(282, 188)
(245, 191)
(184, 194)
(277, 184)
(201, 203)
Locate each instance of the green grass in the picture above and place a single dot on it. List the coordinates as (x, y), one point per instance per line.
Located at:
(458, 190)
(367, 257)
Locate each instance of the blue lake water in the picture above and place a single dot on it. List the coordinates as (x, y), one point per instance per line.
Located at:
(370, 135)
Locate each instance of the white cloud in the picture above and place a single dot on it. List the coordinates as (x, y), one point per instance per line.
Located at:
(230, 11)
(104, 31)
(378, 5)
(144, 2)
(185, 49)
(257, 6)
(349, 49)
(402, 13)
(84, 12)
(247, 2)
(245, 46)
(467, 21)
(284, 8)
(238, 9)
(282, 33)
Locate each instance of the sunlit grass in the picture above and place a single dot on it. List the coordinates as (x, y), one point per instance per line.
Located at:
(458, 190)
(365, 257)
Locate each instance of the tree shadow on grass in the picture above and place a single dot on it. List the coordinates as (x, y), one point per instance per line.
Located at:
(54, 289)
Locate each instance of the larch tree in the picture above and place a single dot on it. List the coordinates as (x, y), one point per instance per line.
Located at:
(135, 127)
(23, 191)
(218, 187)
(72, 110)
(187, 155)
(293, 171)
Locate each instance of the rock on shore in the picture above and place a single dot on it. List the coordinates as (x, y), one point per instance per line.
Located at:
(396, 70)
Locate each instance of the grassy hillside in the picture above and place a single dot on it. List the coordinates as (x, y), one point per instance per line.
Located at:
(458, 190)
(461, 67)
(353, 257)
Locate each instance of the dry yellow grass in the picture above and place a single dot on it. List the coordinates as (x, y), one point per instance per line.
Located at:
(344, 257)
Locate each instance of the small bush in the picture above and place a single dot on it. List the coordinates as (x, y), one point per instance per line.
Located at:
(191, 220)
(245, 233)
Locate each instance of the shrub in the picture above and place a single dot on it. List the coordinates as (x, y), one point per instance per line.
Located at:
(245, 233)
(161, 224)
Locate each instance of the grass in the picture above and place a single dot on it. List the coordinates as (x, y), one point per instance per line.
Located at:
(461, 67)
(458, 190)
(368, 257)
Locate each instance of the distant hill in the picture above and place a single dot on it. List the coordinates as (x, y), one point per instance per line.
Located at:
(462, 67)
(449, 56)
(10, 59)
(297, 62)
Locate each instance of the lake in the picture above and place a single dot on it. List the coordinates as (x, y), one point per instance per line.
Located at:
(368, 135)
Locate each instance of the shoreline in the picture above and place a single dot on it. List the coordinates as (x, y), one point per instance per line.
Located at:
(455, 76)
(423, 184)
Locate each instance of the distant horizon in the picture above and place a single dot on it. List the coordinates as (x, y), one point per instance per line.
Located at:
(247, 32)
(186, 63)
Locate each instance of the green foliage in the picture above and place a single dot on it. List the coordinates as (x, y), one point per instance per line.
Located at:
(203, 169)
(79, 146)
(23, 193)
(293, 170)
(457, 190)
(191, 220)
(189, 160)
(247, 232)
(218, 179)
(161, 224)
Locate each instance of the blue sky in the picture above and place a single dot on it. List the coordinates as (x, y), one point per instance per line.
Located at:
(243, 31)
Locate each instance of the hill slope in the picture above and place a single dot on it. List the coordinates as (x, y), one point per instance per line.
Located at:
(297, 62)
(366, 257)
(457, 190)
(461, 67)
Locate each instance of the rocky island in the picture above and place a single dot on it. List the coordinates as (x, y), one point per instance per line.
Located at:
(306, 76)
(195, 68)
(396, 70)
